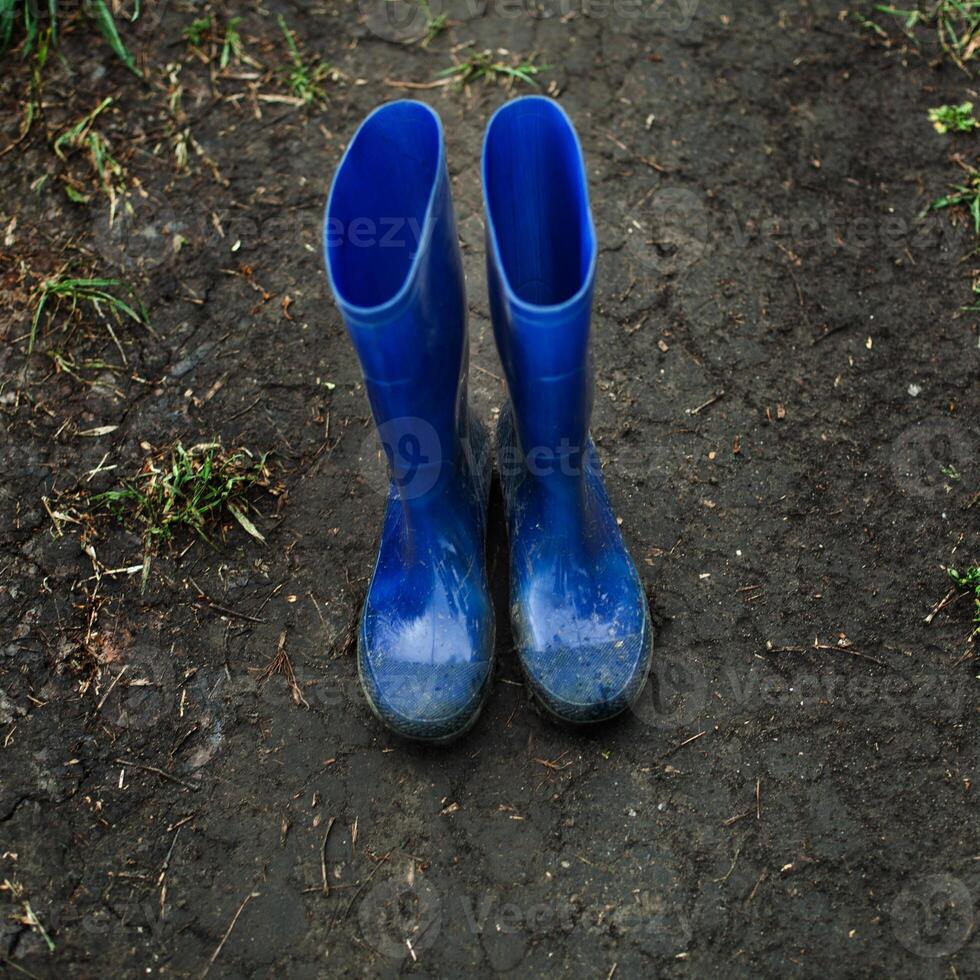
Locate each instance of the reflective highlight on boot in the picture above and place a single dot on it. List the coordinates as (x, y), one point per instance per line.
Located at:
(578, 608)
(425, 641)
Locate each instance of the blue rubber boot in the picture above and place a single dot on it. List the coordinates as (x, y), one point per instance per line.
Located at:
(579, 612)
(426, 636)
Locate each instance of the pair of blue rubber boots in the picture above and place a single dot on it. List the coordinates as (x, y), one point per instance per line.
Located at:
(579, 614)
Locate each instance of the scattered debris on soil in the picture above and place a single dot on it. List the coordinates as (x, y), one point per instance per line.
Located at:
(786, 406)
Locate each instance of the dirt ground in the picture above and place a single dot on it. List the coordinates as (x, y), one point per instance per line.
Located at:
(787, 408)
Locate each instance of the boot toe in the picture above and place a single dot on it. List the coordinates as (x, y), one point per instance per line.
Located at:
(590, 682)
(426, 702)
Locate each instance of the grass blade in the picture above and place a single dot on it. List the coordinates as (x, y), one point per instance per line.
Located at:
(250, 528)
(107, 25)
(37, 319)
(6, 23)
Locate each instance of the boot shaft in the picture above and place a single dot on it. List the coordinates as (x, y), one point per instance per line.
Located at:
(541, 255)
(393, 262)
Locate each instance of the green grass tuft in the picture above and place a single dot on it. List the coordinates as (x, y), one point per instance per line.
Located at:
(231, 45)
(435, 24)
(197, 30)
(99, 294)
(205, 28)
(956, 24)
(304, 77)
(108, 170)
(188, 489)
(970, 580)
(953, 118)
(483, 65)
(35, 15)
(965, 195)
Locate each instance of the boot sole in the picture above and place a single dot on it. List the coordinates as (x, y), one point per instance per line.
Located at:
(545, 711)
(425, 739)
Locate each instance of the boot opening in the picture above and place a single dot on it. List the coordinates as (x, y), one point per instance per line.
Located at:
(379, 200)
(537, 201)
